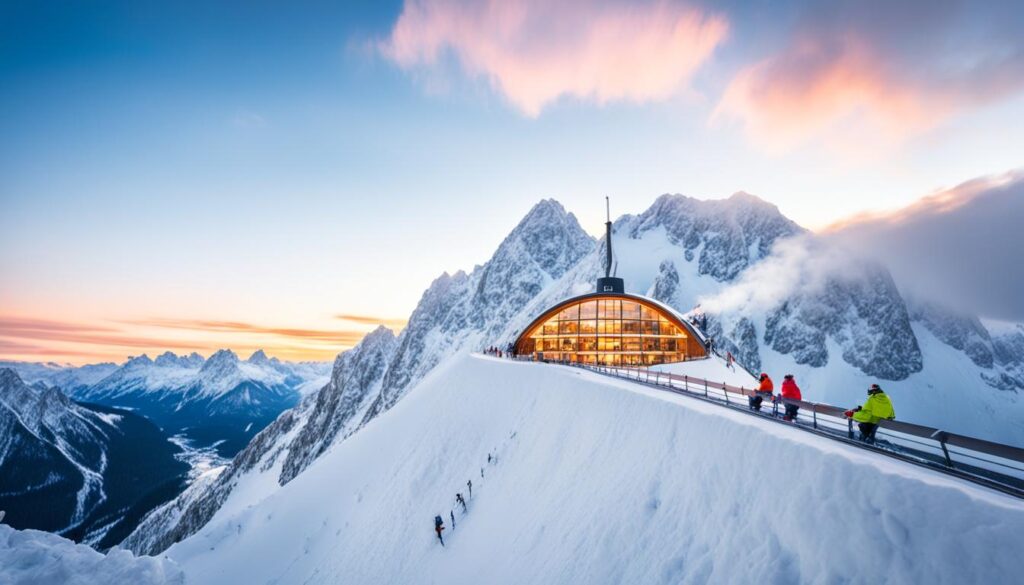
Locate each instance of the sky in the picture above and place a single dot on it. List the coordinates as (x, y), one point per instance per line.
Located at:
(190, 176)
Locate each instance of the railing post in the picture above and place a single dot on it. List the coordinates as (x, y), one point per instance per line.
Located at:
(814, 413)
(705, 388)
(940, 436)
(849, 428)
(725, 392)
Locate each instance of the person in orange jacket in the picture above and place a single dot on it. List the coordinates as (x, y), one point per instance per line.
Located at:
(764, 390)
(790, 391)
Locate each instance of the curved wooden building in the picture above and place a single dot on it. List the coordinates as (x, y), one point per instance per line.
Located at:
(610, 327)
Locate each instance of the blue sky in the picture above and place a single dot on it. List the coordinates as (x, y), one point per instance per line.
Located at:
(279, 167)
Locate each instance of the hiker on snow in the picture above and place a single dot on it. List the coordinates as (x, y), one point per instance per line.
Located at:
(790, 391)
(438, 527)
(764, 391)
(469, 484)
(875, 408)
(461, 500)
(452, 514)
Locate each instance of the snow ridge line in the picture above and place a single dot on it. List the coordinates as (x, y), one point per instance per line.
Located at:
(989, 477)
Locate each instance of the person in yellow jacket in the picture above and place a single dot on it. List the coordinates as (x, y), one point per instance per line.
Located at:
(875, 408)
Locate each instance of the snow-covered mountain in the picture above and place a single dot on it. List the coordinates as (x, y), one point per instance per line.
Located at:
(69, 378)
(87, 472)
(456, 313)
(282, 450)
(467, 311)
(222, 400)
(780, 299)
(578, 478)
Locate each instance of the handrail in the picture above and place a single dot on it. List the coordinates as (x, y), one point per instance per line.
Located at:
(985, 471)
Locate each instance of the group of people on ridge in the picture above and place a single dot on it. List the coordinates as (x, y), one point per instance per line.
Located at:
(877, 407)
(460, 500)
(498, 352)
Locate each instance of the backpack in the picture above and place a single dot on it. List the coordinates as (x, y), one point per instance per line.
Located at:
(438, 521)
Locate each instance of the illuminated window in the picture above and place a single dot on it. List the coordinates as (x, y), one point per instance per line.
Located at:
(630, 310)
(618, 330)
(588, 310)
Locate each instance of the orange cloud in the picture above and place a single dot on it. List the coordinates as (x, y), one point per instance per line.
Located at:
(535, 51)
(28, 338)
(55, 331)
(395, 325)
(342, 338)
(28, 352)
(28, 324)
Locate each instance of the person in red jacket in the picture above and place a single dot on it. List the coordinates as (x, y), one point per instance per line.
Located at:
(790, 391)
(764, 391)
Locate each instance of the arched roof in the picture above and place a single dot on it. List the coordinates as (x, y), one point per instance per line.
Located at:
(662, 308)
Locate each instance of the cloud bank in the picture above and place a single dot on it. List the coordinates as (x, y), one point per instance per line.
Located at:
(803, 263)
(534, 52)
(963, 247)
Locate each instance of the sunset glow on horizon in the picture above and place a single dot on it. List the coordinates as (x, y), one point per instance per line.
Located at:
(239, 177)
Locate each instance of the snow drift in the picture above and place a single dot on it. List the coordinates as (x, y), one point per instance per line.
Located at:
(31, 557)
(598, 480)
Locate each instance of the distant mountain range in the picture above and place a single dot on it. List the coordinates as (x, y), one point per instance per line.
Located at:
(777, 297)
(221, 401)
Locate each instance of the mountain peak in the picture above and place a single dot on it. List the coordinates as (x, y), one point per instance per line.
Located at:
(224, 354)
(547, 235)
(167, 358)
(381, 333)
(9, 376)
(724, 235)
(220, 359)
(258, 357)
(136, 361)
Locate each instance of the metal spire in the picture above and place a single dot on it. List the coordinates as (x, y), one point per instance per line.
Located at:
(608, 238)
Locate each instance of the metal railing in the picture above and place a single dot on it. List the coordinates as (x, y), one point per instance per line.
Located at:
(988, 463)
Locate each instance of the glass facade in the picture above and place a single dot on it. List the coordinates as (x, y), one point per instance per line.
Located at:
(612, 330)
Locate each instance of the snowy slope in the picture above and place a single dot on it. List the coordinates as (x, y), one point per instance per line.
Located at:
(599, 481)
(31, 557)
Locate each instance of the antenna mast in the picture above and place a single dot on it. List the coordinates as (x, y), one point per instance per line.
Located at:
(608, 238)
(609, 284)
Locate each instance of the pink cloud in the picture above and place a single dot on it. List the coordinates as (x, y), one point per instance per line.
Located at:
(864, 76)
(535, 51)
(811, 92)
